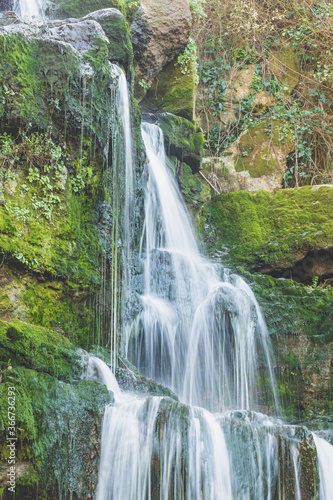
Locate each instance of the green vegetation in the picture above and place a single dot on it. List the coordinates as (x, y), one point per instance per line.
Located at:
(287, 47)
(79, 8)
(37, 348)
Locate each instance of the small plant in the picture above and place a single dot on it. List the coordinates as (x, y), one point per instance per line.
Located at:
(188, 60)
(143, 84)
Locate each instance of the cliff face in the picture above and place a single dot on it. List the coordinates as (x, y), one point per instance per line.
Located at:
(57, 157)
(56, 125)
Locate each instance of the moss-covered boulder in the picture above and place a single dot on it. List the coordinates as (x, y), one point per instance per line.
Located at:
(62, 9)
(171, 91)
(37, 348)
(299, 320)
(117, 30)
(57, 423)
(284, 66)
(183, 139)
(41, 78)
(160, 31)
(263, 148)
(275, 231)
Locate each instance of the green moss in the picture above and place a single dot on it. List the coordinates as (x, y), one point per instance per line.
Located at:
(274, 229)
(37, 348)
(81, 8)
(262, 149)
(118, 32)
(41, 86)
(171, 91)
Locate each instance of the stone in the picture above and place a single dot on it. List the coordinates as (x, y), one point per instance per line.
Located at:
(81, 36)
(171, 91)
(62, 9)
(183, 139)
(7, 18)
(284, 66)
(117, 31)
(160, 32)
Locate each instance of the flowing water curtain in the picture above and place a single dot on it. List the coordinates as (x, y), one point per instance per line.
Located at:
(158, 448)
(197, 333)
(116, 216)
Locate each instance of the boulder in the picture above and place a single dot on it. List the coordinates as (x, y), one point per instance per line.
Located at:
(117, 30)
(182, 139)
(81, 36)
(159, 32)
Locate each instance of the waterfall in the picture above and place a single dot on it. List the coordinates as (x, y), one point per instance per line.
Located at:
(29, 8)
(98, 371)
(199, 333)
(325, 461)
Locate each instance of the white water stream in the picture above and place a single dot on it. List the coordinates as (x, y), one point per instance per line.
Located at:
(29, 8)
(325, 461)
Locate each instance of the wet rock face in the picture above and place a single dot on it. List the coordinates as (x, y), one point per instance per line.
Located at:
(6, 5)
(159, 32)
(80, 35)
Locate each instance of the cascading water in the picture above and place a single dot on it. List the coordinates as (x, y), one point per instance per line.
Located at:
(29, 8)
(197, 333)
(201, 332)
(325, 461)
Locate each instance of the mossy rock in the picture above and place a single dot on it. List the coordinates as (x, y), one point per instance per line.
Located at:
(183, 139)
(299, 320)
(270, 229)
(37, 348)
(285, 68)
(62, 9)
(171, 91)
(117, 30)
(59, 427)
(263, 148)
(41, 85)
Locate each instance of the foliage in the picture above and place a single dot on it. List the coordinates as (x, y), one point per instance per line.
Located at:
(198, 7)
(188, 60)
(257, 36)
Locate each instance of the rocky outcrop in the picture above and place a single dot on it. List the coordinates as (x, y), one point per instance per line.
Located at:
(182, 140)
(172, 91)
(159, 32)
(117, 31)
(256, 161)
(272, 232)
(59, 421)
